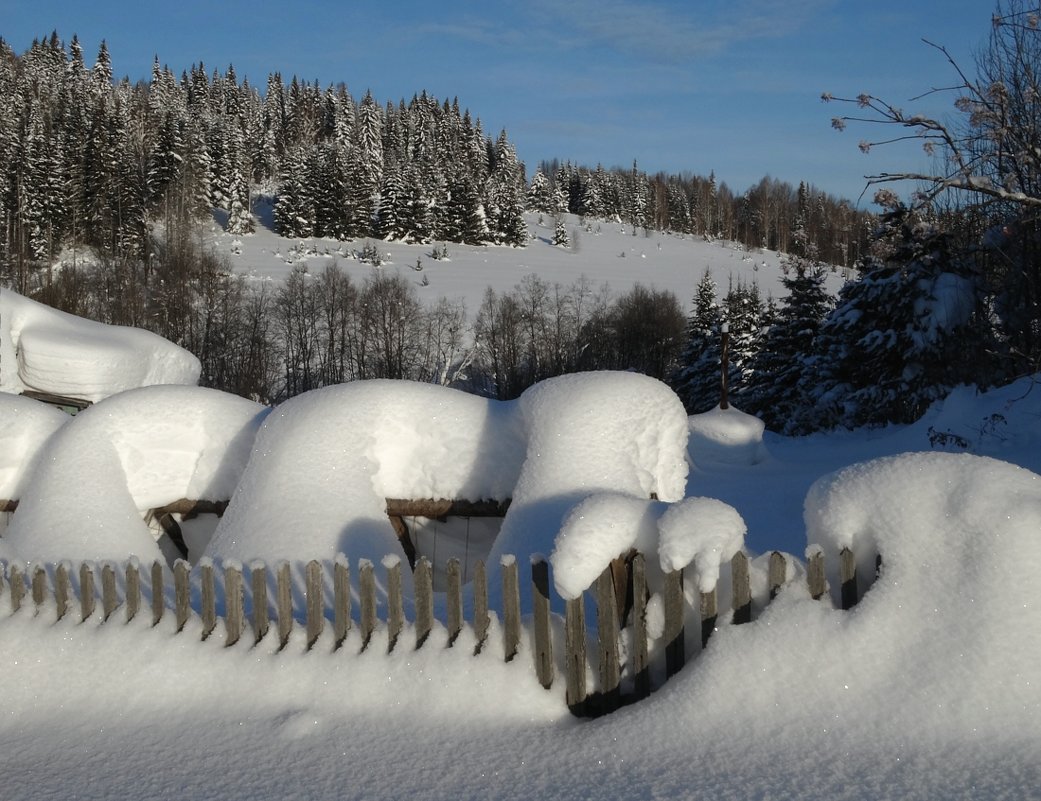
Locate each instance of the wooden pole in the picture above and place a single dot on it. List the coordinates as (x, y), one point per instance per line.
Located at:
(315, 603)
(741, 587)
(454, 601)
(724, 366)
(510, 608)
(341, 601)
(575, 655)
(543, 651)
(641, 659)
(675, 644)
(607, 640)
(424, 586)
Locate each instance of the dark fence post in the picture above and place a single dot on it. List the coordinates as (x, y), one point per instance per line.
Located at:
(575, 655)
(675, 645)
(848, 578)
(777, 573)
(543, 651)
(641, 660)
(158, 601)
(607, 638)
(741, 588)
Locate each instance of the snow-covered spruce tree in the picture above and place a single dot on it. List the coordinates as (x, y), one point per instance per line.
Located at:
(696, 381)
(777, 380)
(744, 312)
(540, 194)
(560, 235)
(901, 336)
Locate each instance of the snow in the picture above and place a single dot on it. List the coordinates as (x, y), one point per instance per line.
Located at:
(699, 531)
(46, 350)
(726, 436)
(589, 433)
(928, 688)
(601, 252)
(25, 426)
(140, 449)
(325, 462)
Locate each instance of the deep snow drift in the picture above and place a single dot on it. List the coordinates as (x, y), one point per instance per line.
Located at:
(47, 350)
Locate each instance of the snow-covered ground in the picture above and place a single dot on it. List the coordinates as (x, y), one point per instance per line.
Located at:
(930, 688)
(602, 252)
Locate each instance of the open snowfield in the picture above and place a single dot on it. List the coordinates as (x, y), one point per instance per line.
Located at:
(602, 252)
(929, 689)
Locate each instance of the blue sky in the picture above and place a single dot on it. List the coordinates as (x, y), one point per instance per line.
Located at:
(731, 86)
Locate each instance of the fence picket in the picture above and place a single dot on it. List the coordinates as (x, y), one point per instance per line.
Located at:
(607, 642)
(284, 603)
(341, 602)
(510, 608)
(17, 582)
(395, 605)
(62, 587)
(454, 601)
(234, 605)
(109, 599)
(641, 658)
(208, 600)
(39, 586)
(675, 641)
(543, 650)
(424, 591)
(740, 581)
(133, 590)
(182, 593)
(258, 591)
(848, 578)
(575, 655)
(158, 601)
(816, 581)
(367, 593)
(315, 602)
(777, 572)
(86, 591)
(709, 615)
(480, 593)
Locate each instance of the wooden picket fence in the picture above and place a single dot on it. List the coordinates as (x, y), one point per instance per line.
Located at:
(218, 596)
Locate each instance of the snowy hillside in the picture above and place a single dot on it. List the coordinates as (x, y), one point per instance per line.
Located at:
(601, 251)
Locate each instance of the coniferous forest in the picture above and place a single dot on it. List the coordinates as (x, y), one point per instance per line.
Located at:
(126, 171)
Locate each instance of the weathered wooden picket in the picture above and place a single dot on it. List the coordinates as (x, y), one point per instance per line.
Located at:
(214, 596)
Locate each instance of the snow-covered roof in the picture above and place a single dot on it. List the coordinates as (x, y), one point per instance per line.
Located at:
(49, 351)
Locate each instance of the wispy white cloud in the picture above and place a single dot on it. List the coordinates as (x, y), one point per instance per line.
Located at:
(676, 32)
